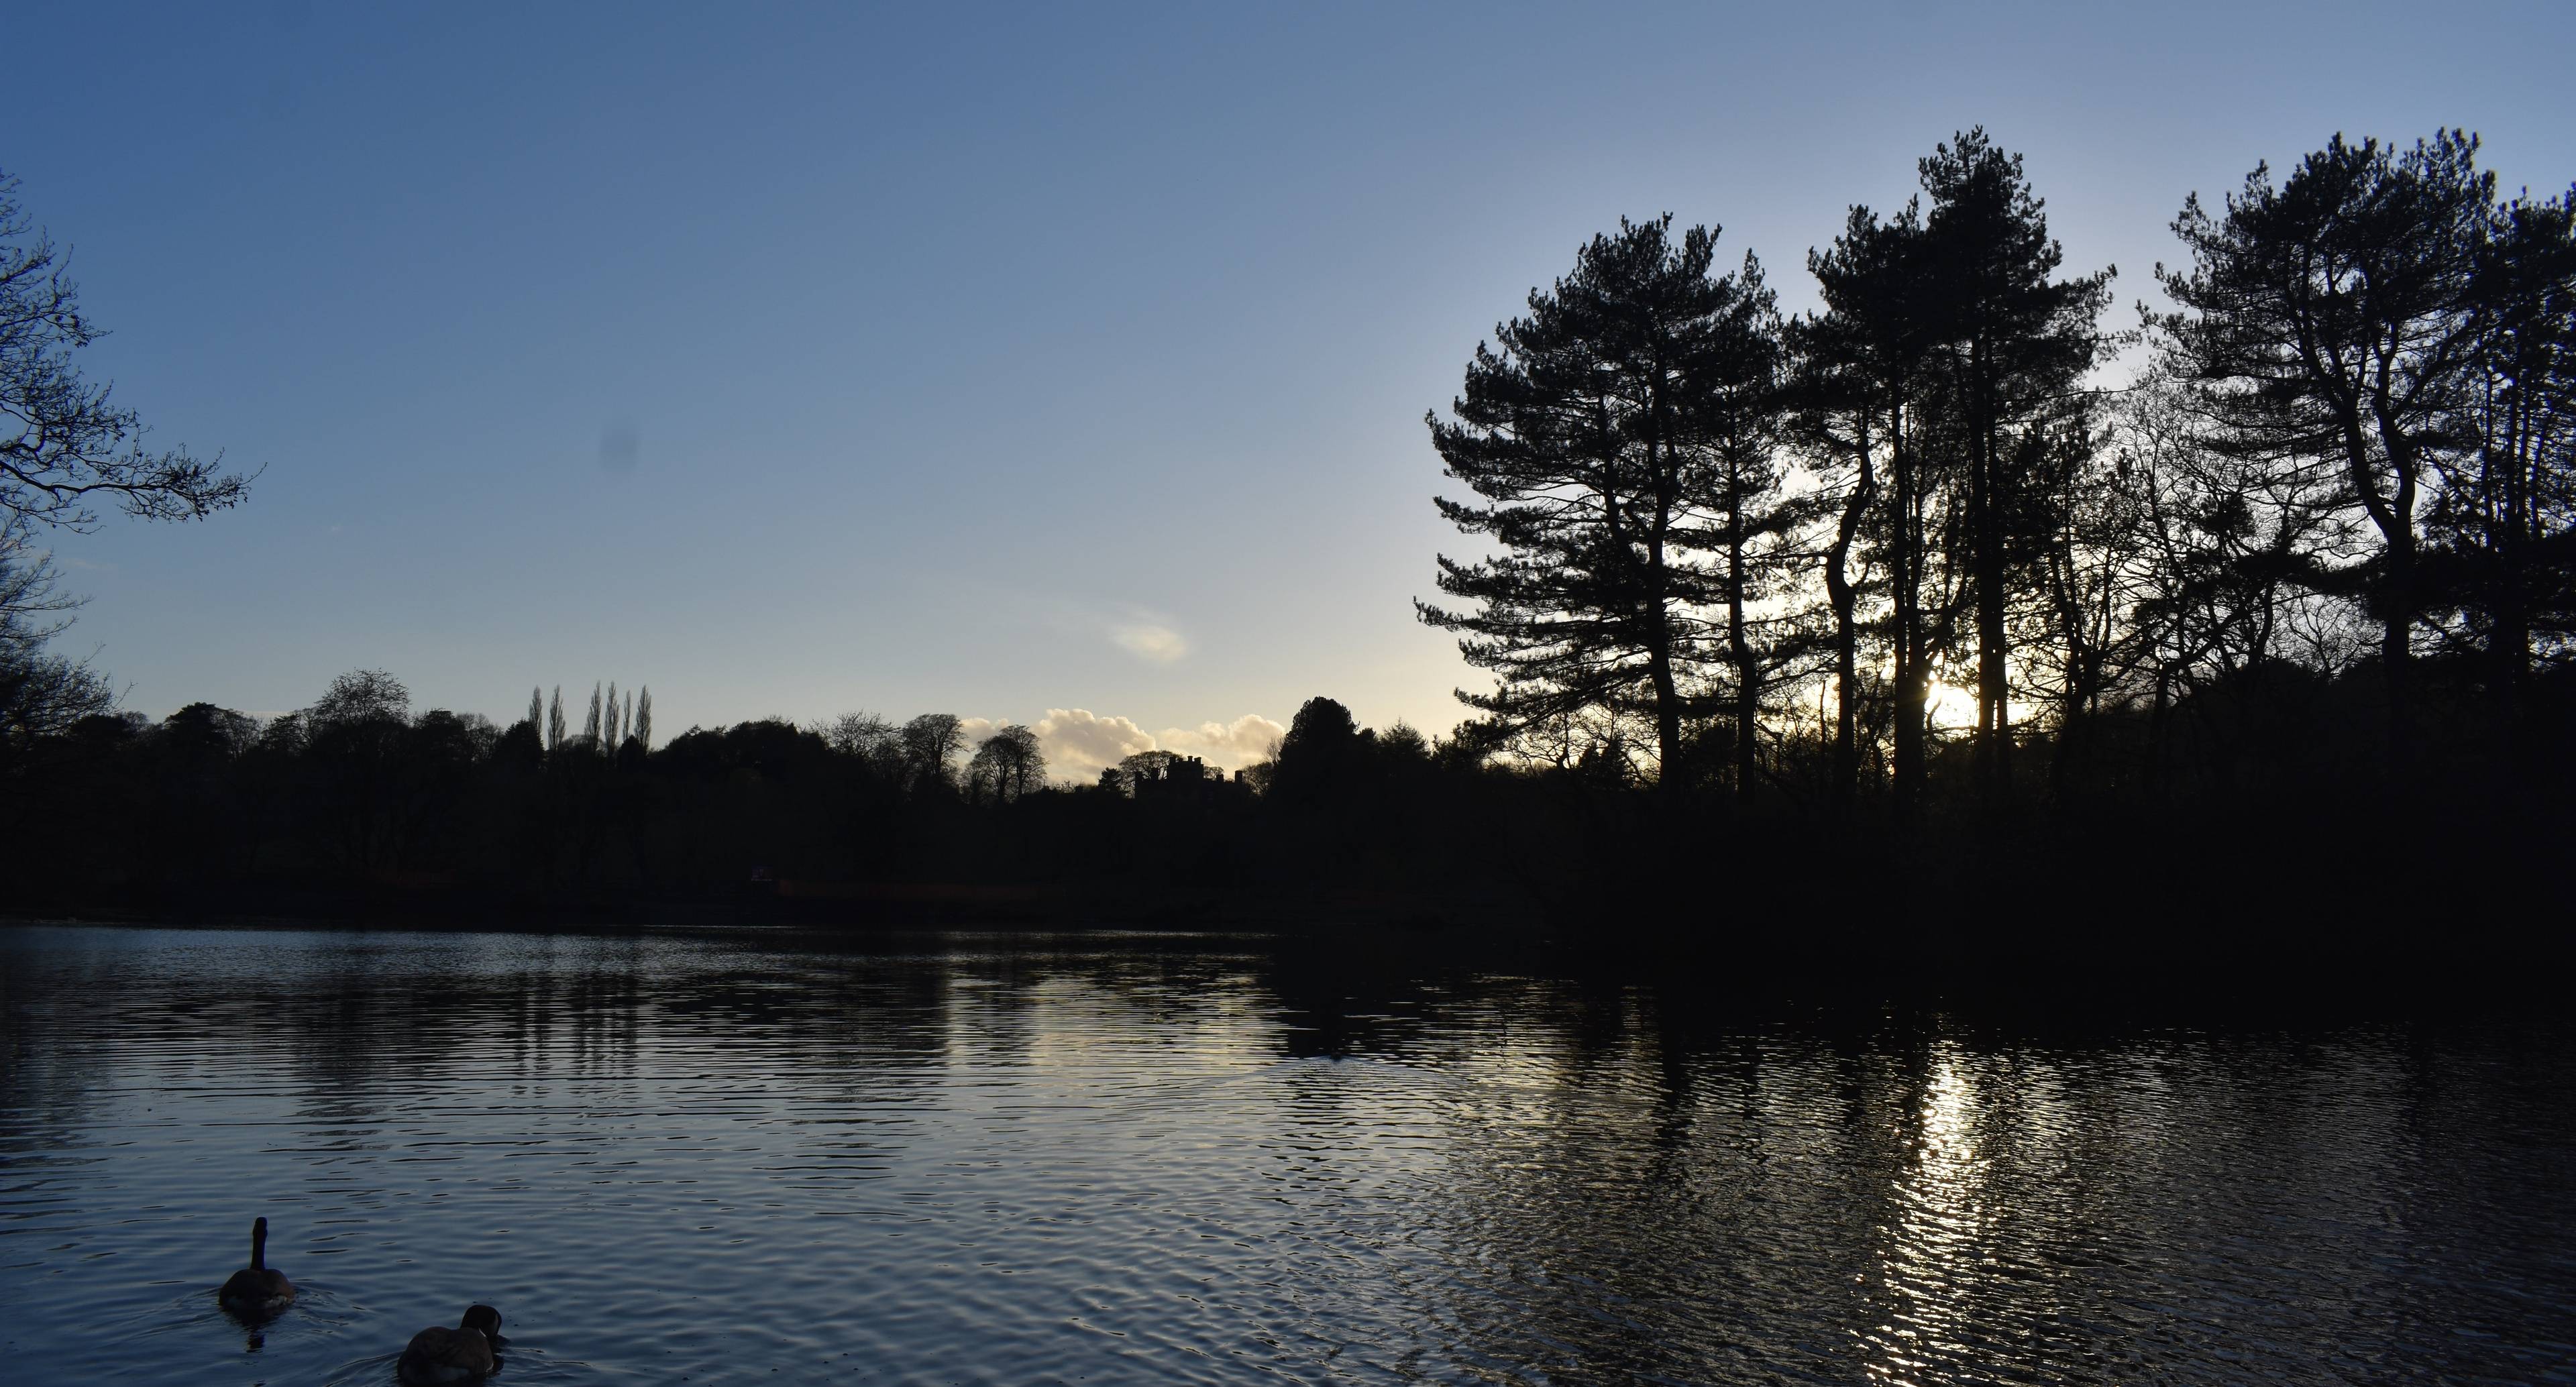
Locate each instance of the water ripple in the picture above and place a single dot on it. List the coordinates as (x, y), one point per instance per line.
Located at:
(960, 1159)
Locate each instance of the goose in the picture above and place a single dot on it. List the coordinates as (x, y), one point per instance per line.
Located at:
(257, 1289)
(438, 1355)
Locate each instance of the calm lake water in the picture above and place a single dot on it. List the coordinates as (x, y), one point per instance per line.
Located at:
(756, 1159)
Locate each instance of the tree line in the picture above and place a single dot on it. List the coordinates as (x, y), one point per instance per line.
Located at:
(358, 796)
(1952, 545)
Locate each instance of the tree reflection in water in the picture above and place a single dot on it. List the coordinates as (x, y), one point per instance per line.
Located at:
(778, 1158)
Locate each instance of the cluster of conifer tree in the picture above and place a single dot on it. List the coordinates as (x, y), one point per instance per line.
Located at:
(1953, 544)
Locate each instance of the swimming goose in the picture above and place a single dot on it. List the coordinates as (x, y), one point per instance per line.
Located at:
(438, 1355)
(257, 1289)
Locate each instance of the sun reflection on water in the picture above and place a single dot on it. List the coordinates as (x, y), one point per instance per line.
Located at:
(1934, 1249)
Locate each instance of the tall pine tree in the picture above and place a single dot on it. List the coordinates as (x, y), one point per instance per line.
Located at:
(1867, 366)
(2014, 345)
(1582, 432)
(1737, 403)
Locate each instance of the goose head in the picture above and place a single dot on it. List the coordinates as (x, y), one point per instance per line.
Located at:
(483, 1320)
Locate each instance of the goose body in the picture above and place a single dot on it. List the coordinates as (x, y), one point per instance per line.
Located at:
(438, 1355)
(257, 1289)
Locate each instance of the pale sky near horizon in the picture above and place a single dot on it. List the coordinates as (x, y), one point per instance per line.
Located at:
(796, 360)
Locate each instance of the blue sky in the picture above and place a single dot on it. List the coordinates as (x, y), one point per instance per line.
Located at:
(804, 359)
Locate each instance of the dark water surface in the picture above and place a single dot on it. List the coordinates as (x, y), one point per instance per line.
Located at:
(993, 1160)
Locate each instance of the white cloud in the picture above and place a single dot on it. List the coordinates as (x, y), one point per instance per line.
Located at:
(1232, 745)
(1151, 641)
(1079, 743)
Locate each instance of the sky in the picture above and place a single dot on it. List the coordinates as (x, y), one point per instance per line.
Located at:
(1063, 365)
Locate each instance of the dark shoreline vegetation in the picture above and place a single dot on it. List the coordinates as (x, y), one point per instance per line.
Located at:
(1894, 640)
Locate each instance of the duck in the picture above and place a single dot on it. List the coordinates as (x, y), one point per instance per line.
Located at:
(438, 1355)
(257, 1289)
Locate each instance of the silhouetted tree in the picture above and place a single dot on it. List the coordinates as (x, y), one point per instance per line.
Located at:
(354, 738)
(2505, 517)
(1834, 406)
(930, 742)
(1320, 756)
(1871, 345)
(520, 749)
(2333, 320)
(40, 694)
(1736, 409)
(204, 732)
(872, 741)
(2014, 346)
(2219, 543)
(1007, 765)
(66, 449)
(644, 718)
(555, 723)
(1582, 433)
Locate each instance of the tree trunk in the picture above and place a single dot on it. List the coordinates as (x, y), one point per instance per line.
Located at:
(2394, 517)
(1911, 693)
(1739, 650)
(2157, 723)
(1659, 660)
(1994, 714)
(1668, 720)
(1838, 588)
(2509, 636)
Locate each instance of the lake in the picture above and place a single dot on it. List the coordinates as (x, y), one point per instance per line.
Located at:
(750, 1157)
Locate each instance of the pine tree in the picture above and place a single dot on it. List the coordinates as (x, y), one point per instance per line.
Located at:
(2331, 323)
(2508, 505)
(1738, 406)
(1867, 357)
(2015, 347)
(1581, 434)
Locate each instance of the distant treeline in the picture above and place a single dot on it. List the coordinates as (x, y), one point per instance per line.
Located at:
(358, 794)
(2262, 799)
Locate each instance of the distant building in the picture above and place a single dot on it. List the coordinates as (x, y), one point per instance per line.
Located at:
(1178, 780)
